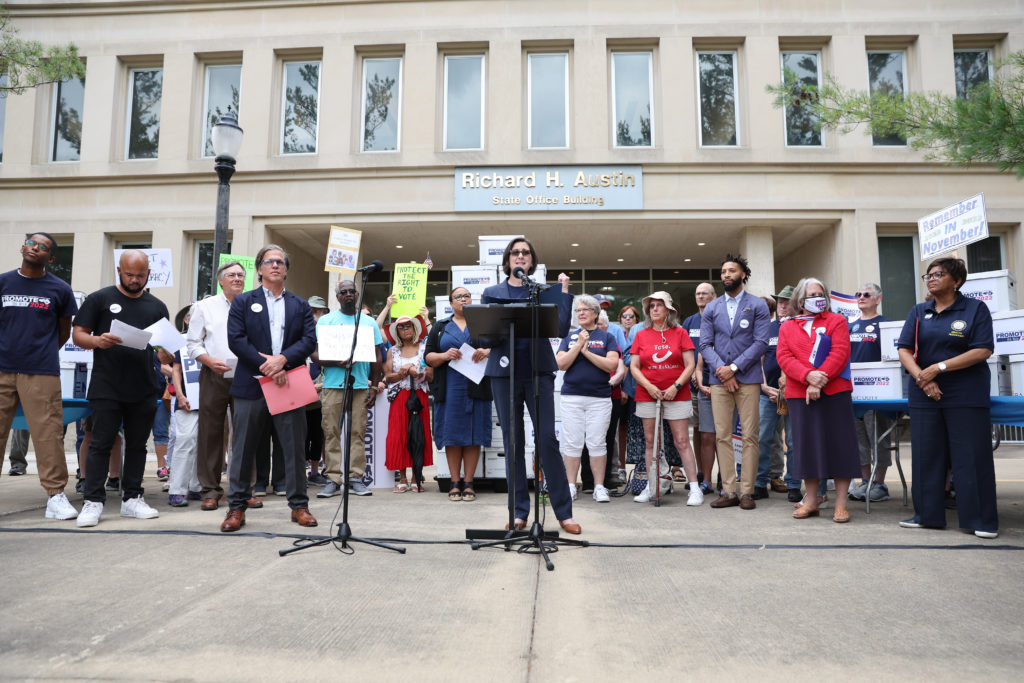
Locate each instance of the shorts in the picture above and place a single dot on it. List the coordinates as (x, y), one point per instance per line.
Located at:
(670, 410)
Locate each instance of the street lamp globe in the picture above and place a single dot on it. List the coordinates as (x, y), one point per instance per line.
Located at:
(227, 136)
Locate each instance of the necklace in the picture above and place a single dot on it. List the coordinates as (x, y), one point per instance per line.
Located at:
(662, 333)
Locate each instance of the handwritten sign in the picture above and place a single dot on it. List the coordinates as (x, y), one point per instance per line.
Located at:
(247, 262)
(161, 269)
(335, 343)
(410, 287)
(953, 227)
(343, 251)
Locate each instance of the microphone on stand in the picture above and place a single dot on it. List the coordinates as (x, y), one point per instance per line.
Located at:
(372, 267)
(520, 272)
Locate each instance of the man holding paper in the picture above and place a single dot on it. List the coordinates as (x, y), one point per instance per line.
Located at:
(271, 331)
(365, 373)
(123, 388)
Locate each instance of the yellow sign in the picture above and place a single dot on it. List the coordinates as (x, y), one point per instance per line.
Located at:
(410, 288)
(247, 262)
(343, 251)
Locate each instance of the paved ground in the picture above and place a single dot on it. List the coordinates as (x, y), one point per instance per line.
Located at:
(734, 592)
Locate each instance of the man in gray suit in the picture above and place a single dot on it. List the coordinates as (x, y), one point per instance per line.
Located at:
(733, 337)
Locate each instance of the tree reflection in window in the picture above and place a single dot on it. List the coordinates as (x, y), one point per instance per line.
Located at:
(222, 89)
(885, 77)
(67, 128)
(144, 124)
(631, 75)
(717, 75)
(802, 127)
(970, 69)
(381, 102)
(301, 107)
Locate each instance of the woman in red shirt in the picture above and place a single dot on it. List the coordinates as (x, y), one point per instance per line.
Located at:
(819, 396)
(662, 364)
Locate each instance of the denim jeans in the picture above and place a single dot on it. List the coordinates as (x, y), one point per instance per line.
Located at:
(766, 438)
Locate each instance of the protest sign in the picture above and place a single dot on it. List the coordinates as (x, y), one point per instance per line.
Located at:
(845, 305)
(410, 287)
(247, 262)
(953, 227)
(190, 376)
(343, 251)
(161, 270)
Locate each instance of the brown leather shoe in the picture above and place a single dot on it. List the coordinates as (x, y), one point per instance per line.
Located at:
(209, 504)
(254, 502)
(302, 517)
(725, 501)
(520, 525)
(571, 527)
(234, 521)
(778, 485)
(747, 502)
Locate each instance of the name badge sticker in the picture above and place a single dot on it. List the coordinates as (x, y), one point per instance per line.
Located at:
(115, 308)
(744, 324)
(503, 361)
(256, 308)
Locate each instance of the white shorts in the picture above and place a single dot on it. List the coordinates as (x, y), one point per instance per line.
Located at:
(585, 420)
(670, 410)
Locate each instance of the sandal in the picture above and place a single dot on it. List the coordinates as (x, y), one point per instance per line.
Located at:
(805, 511)
(678, 475)
(454, 494)
(468, 494)
(841, 515)
(400, 488)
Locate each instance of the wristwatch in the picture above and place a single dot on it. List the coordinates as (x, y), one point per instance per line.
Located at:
(942, 367)
(678, 386)
(735, 368)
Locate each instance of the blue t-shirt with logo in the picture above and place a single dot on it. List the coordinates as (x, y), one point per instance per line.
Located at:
(30, 308)
(335, 378)
(583, 378)
(772, 371)
(866, 340)
(692, 327)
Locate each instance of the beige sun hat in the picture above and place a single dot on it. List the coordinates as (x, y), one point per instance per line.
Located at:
(663, 296)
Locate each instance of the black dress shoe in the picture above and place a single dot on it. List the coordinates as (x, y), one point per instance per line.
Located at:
(795, 496)
(760, 492)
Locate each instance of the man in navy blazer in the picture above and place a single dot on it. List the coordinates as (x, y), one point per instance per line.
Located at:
(271, 331)
(733, 338)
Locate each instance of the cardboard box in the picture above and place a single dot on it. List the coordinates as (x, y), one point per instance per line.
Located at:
(475, 278)
(492, 248)
(74, 379)
(888, 334)
(997, 288)
(1015, 370)
(877, 381)
(1008, 331)
(999, 369)
(494, 463)
(443, 307)
(442, 466)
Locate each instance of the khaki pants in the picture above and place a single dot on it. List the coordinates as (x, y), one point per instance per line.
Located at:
(41, 401)
(745, 400)
(331, 405)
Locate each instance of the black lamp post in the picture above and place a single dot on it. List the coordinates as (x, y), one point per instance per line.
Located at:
(227, 139)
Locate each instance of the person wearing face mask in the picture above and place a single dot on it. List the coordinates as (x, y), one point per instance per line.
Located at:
(814, 353)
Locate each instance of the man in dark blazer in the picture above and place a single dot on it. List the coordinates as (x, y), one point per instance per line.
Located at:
(271, 331)
(733, 338)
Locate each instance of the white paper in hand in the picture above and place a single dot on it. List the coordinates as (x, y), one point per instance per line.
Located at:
(165, 336)
(132, 337)
(474, 372)
(335, 343)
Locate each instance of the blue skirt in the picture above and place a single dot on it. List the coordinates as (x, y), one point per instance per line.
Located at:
(824, 438)
(460, 420)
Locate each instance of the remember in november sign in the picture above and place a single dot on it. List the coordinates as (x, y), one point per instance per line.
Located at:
(953, 227)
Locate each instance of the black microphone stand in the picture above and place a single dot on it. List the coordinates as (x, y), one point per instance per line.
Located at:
(344, 535)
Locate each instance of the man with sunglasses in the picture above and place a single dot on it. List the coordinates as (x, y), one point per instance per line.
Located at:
(35, 320)
(866, 347)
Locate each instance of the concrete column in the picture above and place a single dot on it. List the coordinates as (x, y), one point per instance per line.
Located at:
(338, 102)
(91, 244)
(757, 246)
(419, 101)
(176, 110)
(101, 82)
(255, 102)
(759, 64)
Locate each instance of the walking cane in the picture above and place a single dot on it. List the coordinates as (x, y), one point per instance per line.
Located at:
(656, 453)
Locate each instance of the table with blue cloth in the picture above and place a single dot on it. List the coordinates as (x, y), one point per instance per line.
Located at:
(74, 409)
(1006, 410)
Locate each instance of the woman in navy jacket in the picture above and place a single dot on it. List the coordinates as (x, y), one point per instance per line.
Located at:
(944, 345)
(520, 254)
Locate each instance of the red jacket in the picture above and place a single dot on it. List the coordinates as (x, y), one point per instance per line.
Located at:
(794, 352)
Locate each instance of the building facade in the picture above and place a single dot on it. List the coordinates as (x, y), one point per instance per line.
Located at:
(368, 115)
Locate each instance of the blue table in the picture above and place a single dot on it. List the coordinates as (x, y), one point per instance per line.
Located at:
(74, 409)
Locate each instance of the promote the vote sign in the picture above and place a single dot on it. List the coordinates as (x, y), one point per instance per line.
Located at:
(953, 227)
(410, 288)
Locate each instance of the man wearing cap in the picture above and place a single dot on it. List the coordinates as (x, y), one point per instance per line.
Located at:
(771, 389)
(700, 389)
(364, 375)
(207, 340)
(733, 337)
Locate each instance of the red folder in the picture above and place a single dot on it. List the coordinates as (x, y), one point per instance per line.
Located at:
(297, 392)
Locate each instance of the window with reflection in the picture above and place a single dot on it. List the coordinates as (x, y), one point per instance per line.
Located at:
(971, 68)
(887, 75)
(803, 129)
(223, 85)
(463, 102)
(143, 130)
(548, 106)
(381, 104)
(632, 99)
(300, 107)
(719, 102)
(68, 105)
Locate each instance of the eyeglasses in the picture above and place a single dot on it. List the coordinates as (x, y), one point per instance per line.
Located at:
(38, 245)
(272, 262)
(343, 292)
(627, 316)
(462, 297)
(520, 252)
(404, 326)
(937, 275)
(235, 276)
(864, 295)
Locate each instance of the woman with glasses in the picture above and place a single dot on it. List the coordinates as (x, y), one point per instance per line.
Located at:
(406, 373)
(521, 257)
(462, 409)
(944, 345)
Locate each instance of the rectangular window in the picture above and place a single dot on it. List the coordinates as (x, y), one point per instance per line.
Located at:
(143, 129)
(719, 99)
(382, 104)
(464, 102)
(985, 255)
(887, 75)
(633, 99)
(897, 265)
(300, 107)
(63, 259)
(3, 115)
(971, 68)
(223, 85)
(68, 105)
(802, 128)
(548, 92)
(204, 266)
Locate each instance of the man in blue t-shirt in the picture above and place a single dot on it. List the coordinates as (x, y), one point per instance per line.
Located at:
(36, 308)
(866, 347)
(364, 376)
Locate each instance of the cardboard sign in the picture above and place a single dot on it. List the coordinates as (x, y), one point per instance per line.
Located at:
(410, 287)
(161, 269)
(343, 251)
(953, 227)
(247, 262)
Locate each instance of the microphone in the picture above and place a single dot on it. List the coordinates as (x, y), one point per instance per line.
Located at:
(519, 273)
(372, 268)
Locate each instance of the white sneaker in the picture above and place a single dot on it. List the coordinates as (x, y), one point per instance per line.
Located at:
(573, 492)
(696, 497)
(90, 514)
(601, 494)
(645, 495)
(59, 507)
(138, 508)
(986, 534)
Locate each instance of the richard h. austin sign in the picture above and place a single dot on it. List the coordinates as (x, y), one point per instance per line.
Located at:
(549, 188)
